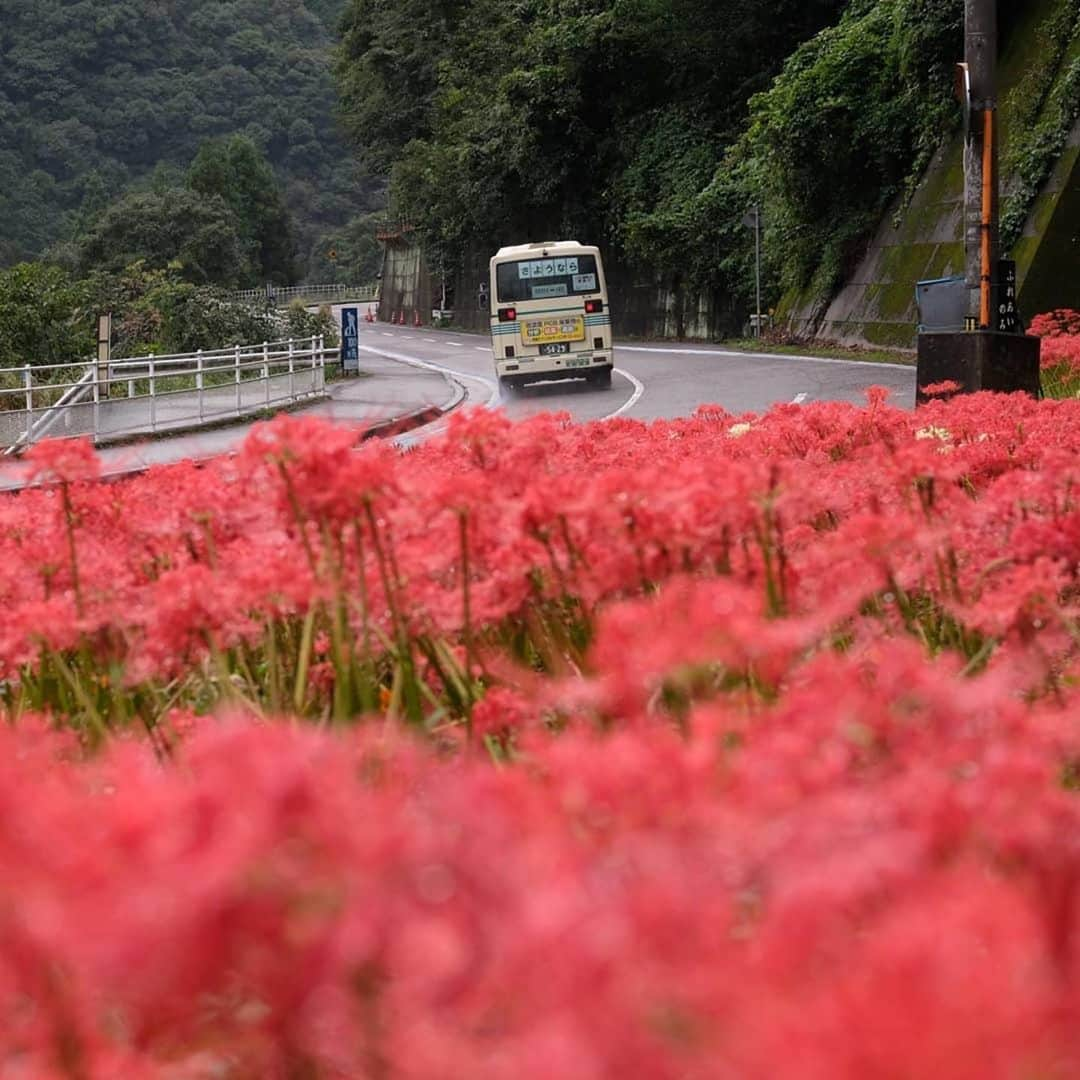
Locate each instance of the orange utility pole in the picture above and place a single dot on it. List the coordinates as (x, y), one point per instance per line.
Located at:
(981, 161)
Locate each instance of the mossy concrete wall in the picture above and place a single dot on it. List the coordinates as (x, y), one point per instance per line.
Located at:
(1048, 254)
(924, 240)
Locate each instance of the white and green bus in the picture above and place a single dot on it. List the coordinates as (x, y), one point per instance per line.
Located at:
(549, 314)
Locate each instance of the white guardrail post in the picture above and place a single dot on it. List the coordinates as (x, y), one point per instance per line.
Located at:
(236, 365)
(292, 373)
(199, 384)
(266, 372)
(28, 382)
(97, 400)
(153, 395)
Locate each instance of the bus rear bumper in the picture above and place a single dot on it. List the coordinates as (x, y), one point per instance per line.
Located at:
(523, 372)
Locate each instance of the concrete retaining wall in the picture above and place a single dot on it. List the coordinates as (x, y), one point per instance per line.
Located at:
(642, 308)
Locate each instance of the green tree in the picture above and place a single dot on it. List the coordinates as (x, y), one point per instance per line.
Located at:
(856, 113)
(196, 233)
(608, 120)
(235, 171)
(44, 317)
(113, 88)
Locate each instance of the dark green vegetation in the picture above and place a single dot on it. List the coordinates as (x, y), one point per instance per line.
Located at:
(49, 316)
(650, 126)
(102, 100)
(1044, 105)
(227, 225)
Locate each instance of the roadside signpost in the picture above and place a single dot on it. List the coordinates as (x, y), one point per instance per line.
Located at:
(104, 351)
(350, 340)
(1008, 315)
(991, 352)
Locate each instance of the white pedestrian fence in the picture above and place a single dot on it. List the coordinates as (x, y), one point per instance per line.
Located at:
(153, 394)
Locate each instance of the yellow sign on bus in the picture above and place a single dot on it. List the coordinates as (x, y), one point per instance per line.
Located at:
(546, 331)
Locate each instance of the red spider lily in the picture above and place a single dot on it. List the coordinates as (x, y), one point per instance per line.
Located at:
(735, 754)
(66, 460)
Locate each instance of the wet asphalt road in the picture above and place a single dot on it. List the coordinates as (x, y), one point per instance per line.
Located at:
(652, 381)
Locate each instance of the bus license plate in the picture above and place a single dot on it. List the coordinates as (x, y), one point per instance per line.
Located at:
(579, 361)
(556, 349)
(548, 331)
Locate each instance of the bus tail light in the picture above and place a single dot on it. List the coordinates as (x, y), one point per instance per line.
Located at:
(507, 314)
(509, 351)
(594, 307)
(597, 342)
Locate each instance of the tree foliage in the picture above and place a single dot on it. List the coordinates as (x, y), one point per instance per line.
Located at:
(42, 312)
(235, 172)
(856, 112)
(95, 94)
(649, 126)
(50, 315)
(197, 234)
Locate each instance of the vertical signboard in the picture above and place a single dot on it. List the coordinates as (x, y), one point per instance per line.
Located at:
(350, 340)
(1008, 314)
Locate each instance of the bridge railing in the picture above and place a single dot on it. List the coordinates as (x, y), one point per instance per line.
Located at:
(153, 394)
(273, 296)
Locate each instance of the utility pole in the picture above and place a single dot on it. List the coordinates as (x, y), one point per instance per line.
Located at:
(752, 220)
(991, 353)
(757, 266)
(981, 247)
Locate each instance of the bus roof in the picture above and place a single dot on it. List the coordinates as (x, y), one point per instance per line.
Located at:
(548, 245)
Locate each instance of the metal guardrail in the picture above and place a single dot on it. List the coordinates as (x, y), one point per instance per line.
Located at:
(272, 296)
(151, 394)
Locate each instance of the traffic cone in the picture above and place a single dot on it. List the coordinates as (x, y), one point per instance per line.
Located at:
(416, 318)
(401, 318)
(370, 316)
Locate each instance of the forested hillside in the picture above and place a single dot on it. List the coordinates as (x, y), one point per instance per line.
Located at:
(100, 96)
(651, 126)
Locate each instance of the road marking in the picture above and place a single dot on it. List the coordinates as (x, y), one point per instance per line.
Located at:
(639, 389)
(482, 348)
(494, 398)
(385, 334)
(763, 356)
(431, 340)
(455, 344)
(429, 365)
(799, 399)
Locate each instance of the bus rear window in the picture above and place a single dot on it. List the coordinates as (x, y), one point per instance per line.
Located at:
(547, 279)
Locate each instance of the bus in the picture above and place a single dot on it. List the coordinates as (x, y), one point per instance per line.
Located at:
(549, 314)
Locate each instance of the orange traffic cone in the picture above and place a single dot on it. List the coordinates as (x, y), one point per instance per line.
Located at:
(370, 316)
(401, 318)
(416, 317)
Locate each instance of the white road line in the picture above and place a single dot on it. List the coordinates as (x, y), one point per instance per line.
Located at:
(799, 399)
(639, 389)
(385, 334)
(431, 340)
(456, 344)
(428, 365)
(482, 348)
(763, 356)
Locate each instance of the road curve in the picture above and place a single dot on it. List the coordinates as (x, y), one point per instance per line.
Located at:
(651, 381)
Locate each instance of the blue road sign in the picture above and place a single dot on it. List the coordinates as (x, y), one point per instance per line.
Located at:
(350, 340)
